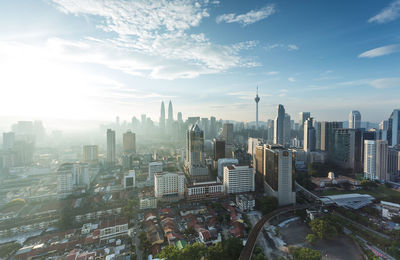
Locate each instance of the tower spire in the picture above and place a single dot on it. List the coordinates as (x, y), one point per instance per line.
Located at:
(257, 99)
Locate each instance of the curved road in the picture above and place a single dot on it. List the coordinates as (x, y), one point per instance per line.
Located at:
(251, 241)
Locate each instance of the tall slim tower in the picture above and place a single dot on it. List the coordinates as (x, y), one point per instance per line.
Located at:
(257, 99)
(111, 159)
(278, 125)
(355, 119)
(162, 116)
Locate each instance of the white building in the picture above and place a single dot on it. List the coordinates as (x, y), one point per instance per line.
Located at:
(245, 202)
(225, 162)
(376, 160)
(148, 203)
(169, 184)
(130, 179)
(71, 176)
(355, 119)
(90, 153)
(205, 190)
(153, 168)
(238, 179)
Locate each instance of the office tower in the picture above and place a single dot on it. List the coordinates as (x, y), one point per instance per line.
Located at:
(195, 161)
(179, 117)
(154, 167)
(144, 121)
(393, 133)
(270, 131)
(111, 159)
(383, 130)
(286, 129)
(257, 99)
(238, 179)
(394, 162)
(8, 141)
(24, 150)
(302, 118)
(348, 148)
(117, 120)
(370, 159)
(258, 164)
(309, 135)
(129, 142)
(170, 112)
(279, 125)
(219, 149)
(382, 160)
(222, 163)
(376, 160)
(213, 127)
(206, 128)
(169, 184)
(279, 174)
(355, 119)
(326, 135)
(90, 153)
(227, 132)
(162, 117)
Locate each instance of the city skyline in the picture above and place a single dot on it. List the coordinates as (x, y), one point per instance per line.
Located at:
(85, 61)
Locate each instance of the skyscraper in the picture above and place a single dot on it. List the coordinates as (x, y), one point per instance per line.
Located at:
(129, 142)
(286, 129)
(195, 163)
(326, 134)
(355, 119)
(227, 132)
(376, 160)
(347, 148)
(302, 118)
(393, 133)
(111, 159)
(279, 174)
(257, 99)
(309, 135)
(162, 117)
(8, 141)
(90, 153)
(179, 117)
(170, 119)
(279, 125)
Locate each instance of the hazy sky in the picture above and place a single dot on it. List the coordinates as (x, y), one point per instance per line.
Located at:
(96, 59)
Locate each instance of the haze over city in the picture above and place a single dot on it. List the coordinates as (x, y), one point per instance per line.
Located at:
(200, 129)
(121, 58)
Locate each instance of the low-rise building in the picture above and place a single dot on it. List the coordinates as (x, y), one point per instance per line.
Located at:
(245, 202)
(205, 190)
(148, 203)
(390, 209)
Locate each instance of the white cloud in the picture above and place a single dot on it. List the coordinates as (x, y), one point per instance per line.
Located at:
(388, 14)
(150, 38)
(271, 73)
(386, 83)
(248, 18)
(289, 47)
(291, 79)
(381, 51)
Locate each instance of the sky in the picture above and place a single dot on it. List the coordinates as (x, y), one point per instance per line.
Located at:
(98, 59)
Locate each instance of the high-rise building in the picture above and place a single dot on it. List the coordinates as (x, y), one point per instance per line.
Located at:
(179, 117)
(154, 167)
(326, 135)
(393, 133)
(227, 132)
(279, 125)
(302, 118)
(309, 135)
(270, 131)
(348, 148)
(257, 99)
(129, 142)
(162, 117)
(213, 127)
(219, 149)
(195, 161)
(90, 153)
(169, 184)
(206, 128)
(238, 179)
(130, 179)
(383, 130)
(376, 160)
(394, 163)
(355, 119)
(286, 129)
(170, 119)
(111, 156)
(8, 141)
(279, 173)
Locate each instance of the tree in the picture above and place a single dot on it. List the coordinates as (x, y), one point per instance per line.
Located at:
(323, 229)
(311, 238)
(304, 253)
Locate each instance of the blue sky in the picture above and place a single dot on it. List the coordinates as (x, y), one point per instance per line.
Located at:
(96, 59)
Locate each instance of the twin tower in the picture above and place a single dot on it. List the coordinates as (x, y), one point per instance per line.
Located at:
(170, 119)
